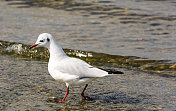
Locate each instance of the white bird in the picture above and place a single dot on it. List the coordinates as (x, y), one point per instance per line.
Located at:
(67, 69)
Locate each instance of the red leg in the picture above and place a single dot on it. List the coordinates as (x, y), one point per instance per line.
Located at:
(82, 94)
(64, 96)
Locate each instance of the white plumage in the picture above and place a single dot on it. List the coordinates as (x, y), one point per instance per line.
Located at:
(72, 70)
(67, 69)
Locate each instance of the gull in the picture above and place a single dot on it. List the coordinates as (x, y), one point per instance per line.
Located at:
(70, 70)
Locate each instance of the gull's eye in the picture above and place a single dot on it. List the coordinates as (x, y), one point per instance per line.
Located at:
(41, 40)
(48, 39)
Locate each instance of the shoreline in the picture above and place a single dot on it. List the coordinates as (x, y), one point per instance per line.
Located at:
(161, 67)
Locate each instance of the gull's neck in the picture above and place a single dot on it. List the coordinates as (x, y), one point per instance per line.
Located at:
(56, 52)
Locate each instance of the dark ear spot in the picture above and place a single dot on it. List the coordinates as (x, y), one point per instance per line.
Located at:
(48, 39)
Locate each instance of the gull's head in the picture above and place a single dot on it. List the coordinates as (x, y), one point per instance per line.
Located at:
(43, 40)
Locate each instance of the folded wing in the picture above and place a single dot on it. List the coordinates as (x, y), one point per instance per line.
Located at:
(79, 68)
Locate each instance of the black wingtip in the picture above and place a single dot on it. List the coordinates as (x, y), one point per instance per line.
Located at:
(112, 71)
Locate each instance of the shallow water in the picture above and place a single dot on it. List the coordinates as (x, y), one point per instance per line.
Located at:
(26, 85)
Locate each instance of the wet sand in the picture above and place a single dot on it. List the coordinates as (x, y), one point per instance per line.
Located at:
(27, 85)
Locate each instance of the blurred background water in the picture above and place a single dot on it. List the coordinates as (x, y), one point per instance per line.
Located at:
(143, 28)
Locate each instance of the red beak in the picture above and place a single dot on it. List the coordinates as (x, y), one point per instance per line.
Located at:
(33, 46)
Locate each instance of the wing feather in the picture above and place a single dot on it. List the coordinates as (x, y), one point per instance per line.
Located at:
(79, 68)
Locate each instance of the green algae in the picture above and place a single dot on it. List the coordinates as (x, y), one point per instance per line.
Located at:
(93, 58)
